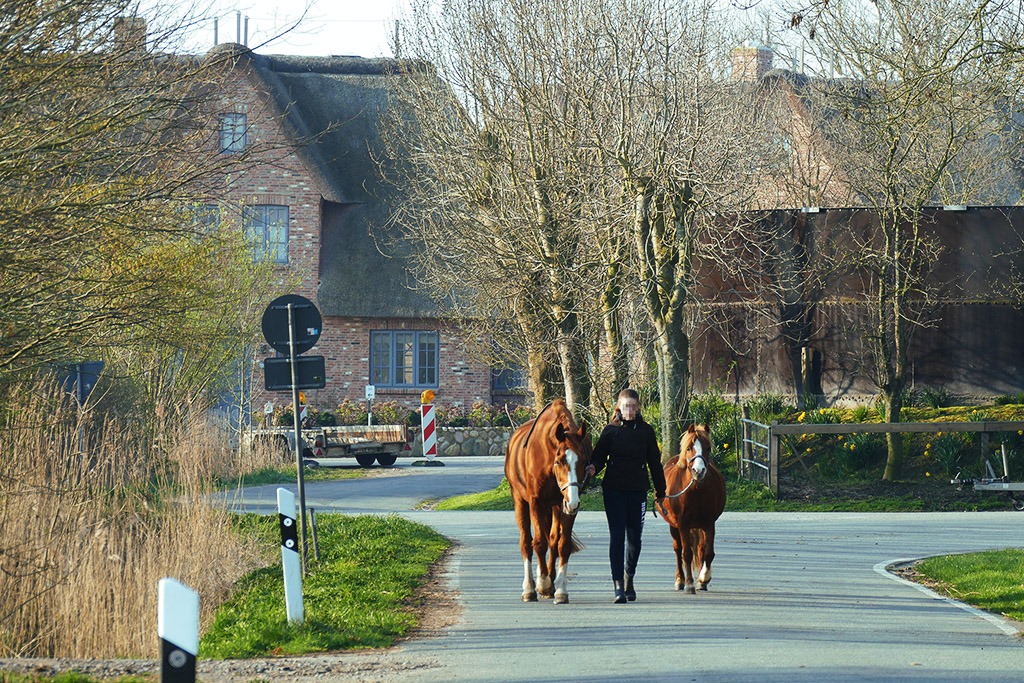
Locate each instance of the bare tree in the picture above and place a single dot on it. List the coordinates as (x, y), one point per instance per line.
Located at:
(917, 119)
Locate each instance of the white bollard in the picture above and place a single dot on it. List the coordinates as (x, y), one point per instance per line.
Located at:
(178, 628)
(290, 555)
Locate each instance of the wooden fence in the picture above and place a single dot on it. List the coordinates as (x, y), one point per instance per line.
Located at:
(751, 442)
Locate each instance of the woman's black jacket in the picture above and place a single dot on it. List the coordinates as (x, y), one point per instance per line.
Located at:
(630, 450)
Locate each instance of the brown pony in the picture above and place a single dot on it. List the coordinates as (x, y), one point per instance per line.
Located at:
(694, 500)
(545, 463)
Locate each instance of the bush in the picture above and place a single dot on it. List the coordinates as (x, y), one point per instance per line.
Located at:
(1010, 399)
(389, 413)
(948, 451)
(709, 408)
(859, 451)
(936, 398)
(767, 407)
(862, 413)
(350, 412)
(823, 416)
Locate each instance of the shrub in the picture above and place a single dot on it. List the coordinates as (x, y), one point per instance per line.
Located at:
(948, 451)
(350, 412)
(481, 415)
(326, 418)
(936, 398)
(388, 413)
(709, 408)
(858, 451)
(823, 416)
(767, 407)
(862, 413)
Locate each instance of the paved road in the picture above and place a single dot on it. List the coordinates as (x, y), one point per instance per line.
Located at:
(795, 597)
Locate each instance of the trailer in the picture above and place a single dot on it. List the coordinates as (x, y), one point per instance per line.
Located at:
(331, 446)
(1014, 489)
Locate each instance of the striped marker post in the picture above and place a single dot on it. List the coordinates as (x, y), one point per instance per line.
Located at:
(429, 433)
(178, 628)
(290, 555)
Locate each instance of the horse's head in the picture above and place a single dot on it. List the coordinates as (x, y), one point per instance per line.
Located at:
(572, 455)
(695, 450)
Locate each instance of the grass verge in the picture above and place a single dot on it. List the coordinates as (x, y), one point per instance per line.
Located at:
(286, 474)
(989, 580)
(748, 496)
(358, 595)
(69, 677)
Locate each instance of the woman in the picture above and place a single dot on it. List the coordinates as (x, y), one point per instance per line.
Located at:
(630, 448)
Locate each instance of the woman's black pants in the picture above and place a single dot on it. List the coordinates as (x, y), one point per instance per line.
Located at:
(625, 511)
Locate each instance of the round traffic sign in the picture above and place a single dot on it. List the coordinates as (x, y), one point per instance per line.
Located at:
(306, 322)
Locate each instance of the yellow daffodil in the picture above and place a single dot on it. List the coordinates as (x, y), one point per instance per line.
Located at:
(808, 450)
(928, 445)
(927, 474)
(800, 417)
(852, 447)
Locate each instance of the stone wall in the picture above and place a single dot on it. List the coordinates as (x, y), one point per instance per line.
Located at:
(453, 441)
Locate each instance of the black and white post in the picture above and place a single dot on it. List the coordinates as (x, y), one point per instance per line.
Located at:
(178, 628)
(290, 555)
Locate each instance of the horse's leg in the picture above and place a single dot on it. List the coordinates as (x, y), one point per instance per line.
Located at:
(541, 528)
(687, 538)
(707, 555)
(677, 546)
(526, 548)
(561, 533)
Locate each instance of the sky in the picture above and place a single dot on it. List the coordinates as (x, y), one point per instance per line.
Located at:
(330, 27)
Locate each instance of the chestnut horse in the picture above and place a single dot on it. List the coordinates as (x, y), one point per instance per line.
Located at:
(545, 464)
(694, 500)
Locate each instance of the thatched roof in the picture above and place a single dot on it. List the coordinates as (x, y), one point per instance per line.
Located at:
(332, 107)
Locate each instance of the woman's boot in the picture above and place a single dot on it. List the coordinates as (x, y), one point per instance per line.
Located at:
(620, 595)
(629, 592)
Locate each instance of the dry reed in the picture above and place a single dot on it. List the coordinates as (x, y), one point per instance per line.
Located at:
(88, 533)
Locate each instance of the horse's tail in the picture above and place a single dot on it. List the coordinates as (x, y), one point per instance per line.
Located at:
(575, 544)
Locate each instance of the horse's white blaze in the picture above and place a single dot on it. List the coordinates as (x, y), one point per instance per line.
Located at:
(705, 573)
(574, 490)
(528, 585)
(698, 464)
(561, 579)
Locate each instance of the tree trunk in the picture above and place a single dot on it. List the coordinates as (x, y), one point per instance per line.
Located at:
(893, 440)
(672, 352)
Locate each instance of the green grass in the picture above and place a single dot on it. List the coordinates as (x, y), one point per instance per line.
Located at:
(740, 497)
(358, 595)
(992, 581)
(286, 474)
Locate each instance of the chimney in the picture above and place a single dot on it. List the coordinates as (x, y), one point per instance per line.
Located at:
(130, 33)
(749, 63)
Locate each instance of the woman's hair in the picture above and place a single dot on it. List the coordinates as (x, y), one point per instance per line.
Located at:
(626, 393)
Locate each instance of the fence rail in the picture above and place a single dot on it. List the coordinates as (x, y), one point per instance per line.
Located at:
(746, 455)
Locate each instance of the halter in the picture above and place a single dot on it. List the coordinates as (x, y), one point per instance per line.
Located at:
(686, 488)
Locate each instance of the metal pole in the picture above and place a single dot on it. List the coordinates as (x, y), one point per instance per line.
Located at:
(316, 541)
(298, 430)
(773, 459)
(1006, 464)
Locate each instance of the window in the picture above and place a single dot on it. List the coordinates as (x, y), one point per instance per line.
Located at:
(266, 226)
(508, 380)
(207, 218)
(403, 358)
(233, 137)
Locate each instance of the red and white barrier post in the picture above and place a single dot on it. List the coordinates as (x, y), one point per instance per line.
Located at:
(429, 430)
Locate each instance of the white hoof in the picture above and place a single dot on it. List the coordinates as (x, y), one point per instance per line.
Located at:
(561, 598)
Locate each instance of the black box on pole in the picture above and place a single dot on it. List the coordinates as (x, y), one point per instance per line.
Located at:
(309, 373)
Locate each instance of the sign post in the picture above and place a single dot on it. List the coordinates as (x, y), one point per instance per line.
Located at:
(371, 393)
(291, 325)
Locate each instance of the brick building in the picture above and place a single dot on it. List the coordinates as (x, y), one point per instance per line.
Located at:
(315, 206)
